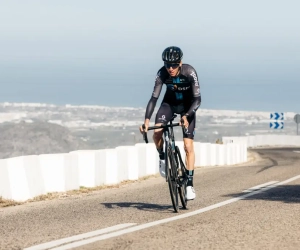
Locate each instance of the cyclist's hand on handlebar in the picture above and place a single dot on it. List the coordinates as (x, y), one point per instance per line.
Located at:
(144, 127)
(184, 122)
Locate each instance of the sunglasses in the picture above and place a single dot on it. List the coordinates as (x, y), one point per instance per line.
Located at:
(173, 65)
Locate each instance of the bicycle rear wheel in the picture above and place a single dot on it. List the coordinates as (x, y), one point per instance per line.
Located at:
(182, 178)
(172, 177)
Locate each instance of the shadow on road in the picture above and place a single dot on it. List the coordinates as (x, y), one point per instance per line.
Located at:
(283, 193)
(139, 205)
(273, 164)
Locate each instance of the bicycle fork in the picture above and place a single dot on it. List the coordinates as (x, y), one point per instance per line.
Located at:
(166, 135)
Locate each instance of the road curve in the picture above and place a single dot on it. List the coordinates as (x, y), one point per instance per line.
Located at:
(232, 210)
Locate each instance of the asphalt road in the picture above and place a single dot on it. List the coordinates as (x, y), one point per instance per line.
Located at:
(224, 215)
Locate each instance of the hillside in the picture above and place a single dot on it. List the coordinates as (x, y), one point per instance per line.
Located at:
(36, 138)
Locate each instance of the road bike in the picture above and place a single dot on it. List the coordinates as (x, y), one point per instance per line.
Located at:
(175, 169)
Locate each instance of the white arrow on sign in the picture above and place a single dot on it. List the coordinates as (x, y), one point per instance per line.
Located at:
(277, 116)
(277, 125)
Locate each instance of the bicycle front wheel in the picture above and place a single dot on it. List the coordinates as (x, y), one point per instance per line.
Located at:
(182, 178)
(172, 179)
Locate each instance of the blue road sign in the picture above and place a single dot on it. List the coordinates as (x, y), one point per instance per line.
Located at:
(277, 116)
(277, 125)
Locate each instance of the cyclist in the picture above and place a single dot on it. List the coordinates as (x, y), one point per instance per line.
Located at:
(182, 97)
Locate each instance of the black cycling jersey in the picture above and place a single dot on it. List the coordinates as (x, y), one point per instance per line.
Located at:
(183, 90)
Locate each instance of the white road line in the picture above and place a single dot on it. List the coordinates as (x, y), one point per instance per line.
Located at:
(289, 180)
(108, 232)
(78, 237)
(259, 187)
(178, 217)
(297, 151)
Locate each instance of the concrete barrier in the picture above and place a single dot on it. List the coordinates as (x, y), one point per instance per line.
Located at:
(197, 147)
(220, 154)
(204, 154)
(14, 176)
(5, 190)
(245, 153)
(212, 154)
(148, 159)
(264, 140)
(251, 141)
(23, 178)
(33, 175)
(127, 163)
(229, 154)
(58, 173)
(109, 173)
(88, 167)
(235, 139)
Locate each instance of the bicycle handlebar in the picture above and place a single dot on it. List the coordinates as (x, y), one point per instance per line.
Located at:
(158, 127)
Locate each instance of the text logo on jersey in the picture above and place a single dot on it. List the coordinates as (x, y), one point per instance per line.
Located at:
(184, 88)
(195, 78)
(172, 86)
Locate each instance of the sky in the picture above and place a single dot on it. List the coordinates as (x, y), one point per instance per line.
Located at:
(246, 53)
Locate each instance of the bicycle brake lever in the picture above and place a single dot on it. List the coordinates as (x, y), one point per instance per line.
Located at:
(145, 134)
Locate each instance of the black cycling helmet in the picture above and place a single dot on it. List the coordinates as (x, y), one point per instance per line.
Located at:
(172, 54)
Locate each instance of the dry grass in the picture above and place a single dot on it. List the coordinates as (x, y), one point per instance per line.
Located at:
(77, 192)
(8, 203)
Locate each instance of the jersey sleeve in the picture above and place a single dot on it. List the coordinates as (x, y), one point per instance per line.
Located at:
(193, 77)
(155, 95)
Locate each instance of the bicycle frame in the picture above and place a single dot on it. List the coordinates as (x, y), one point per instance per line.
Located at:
(168, 134)
(169, 139)
(178, 179)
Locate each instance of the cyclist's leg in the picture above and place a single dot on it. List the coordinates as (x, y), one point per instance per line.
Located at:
(163, 116)
(188, 139)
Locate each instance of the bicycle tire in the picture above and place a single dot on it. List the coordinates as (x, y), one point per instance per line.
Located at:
(181, 188)
(172, 176)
